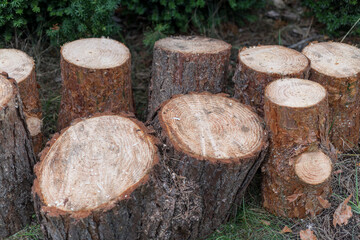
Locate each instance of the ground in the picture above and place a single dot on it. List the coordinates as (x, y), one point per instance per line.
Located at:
(286, 27)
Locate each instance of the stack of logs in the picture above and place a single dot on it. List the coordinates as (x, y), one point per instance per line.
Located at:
(106, 175)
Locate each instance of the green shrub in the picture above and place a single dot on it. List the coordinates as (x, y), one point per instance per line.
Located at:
(170, 16)
(337, 15)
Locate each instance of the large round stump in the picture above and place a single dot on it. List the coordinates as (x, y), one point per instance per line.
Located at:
(21, 67)
(260, 65)
(213, 147)
(184, 64)
(93, 180)
(337, 67)
(296, 180)
(96, 74)
(16, 162)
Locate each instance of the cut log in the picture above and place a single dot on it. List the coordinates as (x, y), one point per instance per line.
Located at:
(185, 64)
(296, 176)
(260, 65)
(93, 181)
(213, 147)
(21, 67)
(16, 162)
(337, 67)
(96, 74)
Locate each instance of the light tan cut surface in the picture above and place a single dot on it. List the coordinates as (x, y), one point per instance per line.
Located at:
(274, 59)
(190, 44)
(16, 63)
(313, 167)
(95, 53)
(334, 59)
(212, 126)
(95, 161)
(6, 91)
(34, 125)
(294, 92)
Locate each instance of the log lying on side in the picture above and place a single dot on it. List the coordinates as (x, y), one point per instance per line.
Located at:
(21, 67)
(184, 64)
(93, 181)
(296, 176)
(213, 147)
(16, 162)
(337, 67)
(96, 74)
(260, 65)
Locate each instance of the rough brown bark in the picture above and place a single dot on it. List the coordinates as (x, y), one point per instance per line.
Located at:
(22, 69)
(343, 89)
(184, 64)
(295, 131)
(120, 218)
(87, 90)
(16, 162)
(202, 190)
(250, 83)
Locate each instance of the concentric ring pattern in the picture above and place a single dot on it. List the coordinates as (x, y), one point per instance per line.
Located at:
(95, 53)
(95, 161)
(16, 64)
(274, 59)
(212, 126)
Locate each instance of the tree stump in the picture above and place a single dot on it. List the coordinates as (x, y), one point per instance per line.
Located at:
(213, 147)
(96, 74)
(185, 64)
(337, 67)
(16, 162)
(21, 67)
(260, 65)
(296, 176)
(94, 179)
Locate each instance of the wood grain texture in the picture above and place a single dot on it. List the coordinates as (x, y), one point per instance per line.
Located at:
(184, 64)
(336, 66)
(299, 133)
(260, 65)
(21, 67)
(205, 181)
(95, 79)
(16, 161)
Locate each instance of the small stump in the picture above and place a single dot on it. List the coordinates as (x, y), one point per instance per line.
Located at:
(21, 67)
(184, 64)
(337, 67)
(296, 180)
(93, 180)
(260, 65)
(213, 147)
(96, 74)
(16, 162)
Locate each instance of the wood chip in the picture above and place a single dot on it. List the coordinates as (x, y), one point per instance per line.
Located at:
(286, 229)
(323, 202)
(267, 223)
(307, 235)
(343, 213)
(293, 197)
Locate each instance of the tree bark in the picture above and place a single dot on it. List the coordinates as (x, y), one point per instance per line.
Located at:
(96, 76)
(296, 112)
(21, 67)
(258, 66)
(337, 67)
(16, 161)
(205, 184)
(185, 64)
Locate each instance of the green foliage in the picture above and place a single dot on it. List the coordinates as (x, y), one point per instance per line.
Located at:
(63, 20)
(170, 16)
(338, 15)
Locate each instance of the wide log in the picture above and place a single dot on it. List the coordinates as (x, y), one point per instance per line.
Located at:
(96, 75)
(336, 66)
